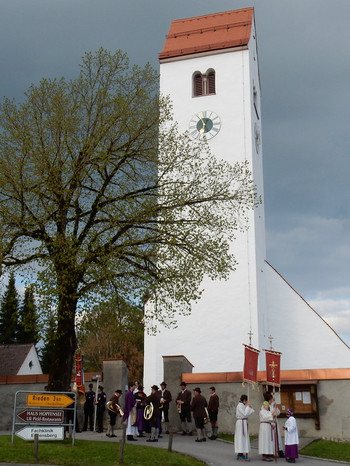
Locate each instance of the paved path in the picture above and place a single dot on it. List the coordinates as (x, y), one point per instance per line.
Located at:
(212, 452)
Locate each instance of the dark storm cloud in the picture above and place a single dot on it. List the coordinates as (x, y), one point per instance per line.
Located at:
(304, 67)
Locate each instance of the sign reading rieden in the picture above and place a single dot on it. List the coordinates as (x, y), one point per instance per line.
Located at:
(49, 400)
(44, 433)
(42, 416)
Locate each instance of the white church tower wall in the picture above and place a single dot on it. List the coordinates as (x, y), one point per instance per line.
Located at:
(255, 300)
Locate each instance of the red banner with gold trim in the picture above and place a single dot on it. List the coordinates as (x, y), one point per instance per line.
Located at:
(273, 367)
(250, 370)
(79, 376)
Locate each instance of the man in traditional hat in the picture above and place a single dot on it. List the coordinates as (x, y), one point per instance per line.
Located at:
(113, 410)
(198, 405)
(183, 401)
(165, 399)
(154, 398)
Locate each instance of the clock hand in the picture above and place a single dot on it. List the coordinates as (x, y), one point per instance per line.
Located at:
(202, 130)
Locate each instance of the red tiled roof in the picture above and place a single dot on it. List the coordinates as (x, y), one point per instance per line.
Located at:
(287, 376)
(12, 358)
(210, 32)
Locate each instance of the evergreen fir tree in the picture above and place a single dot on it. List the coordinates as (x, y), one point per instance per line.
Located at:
(28, 319)
(9, 314)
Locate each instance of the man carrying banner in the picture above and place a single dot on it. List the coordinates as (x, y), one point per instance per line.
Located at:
(277, 432)
(273, 379)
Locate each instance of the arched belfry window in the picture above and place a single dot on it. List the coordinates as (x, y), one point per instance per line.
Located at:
(197, 84)
(204, 84)
(211, 82)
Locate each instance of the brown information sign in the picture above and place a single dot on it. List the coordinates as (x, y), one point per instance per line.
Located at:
(54, 400)
(42, 416)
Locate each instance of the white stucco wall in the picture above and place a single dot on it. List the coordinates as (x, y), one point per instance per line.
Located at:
(211, 337)
(255, 298)
(304, 338)
(31, 364)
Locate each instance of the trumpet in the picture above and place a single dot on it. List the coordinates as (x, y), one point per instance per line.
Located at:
(148, 412)
(206, 419)
(114, 407)
(179, 408)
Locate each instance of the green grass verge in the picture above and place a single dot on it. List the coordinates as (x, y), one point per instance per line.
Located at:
(327, 449)
(89, 453)
(231, 437)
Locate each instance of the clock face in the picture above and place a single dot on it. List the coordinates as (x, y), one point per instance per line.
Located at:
(205, 125)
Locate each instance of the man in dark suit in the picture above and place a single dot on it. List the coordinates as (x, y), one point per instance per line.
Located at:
(89, 408)
(165, 399)
(183, 401)
(155, 400)
(213, 409)
(198, 405)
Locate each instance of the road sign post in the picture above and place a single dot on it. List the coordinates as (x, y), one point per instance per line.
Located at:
(39, 411)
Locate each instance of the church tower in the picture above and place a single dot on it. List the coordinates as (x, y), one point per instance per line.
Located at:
(209, 68)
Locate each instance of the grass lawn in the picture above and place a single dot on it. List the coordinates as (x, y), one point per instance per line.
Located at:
(327, 449)
(89, 453)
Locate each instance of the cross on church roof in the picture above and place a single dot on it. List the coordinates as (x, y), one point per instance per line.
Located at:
(250, 334)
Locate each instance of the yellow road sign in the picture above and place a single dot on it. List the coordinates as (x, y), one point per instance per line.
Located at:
(54, 400)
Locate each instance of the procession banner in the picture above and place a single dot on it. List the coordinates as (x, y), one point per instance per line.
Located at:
(250, 370)
(273, 368)
(79, 375)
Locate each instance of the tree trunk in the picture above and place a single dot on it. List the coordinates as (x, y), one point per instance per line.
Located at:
(64, 346)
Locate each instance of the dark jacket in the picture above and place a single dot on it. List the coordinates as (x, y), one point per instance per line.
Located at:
(213, 405)
(186, 398)
(197, 406)
(155, 400)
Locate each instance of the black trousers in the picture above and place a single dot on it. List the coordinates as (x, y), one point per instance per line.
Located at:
(99, 415)
(89, 417)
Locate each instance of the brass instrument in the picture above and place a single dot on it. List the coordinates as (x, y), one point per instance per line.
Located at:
(115, 408)
(80, 395)
(148, 412)
(206, 419)
(179, 408)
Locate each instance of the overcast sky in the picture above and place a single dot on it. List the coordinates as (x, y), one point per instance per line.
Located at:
(305, 74)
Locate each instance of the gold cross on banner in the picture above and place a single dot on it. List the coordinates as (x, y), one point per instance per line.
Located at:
(273, 365)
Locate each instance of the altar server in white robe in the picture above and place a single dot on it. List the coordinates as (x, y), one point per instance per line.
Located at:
(273, 407)
(242, 441)
(266, 433)
(291, 437)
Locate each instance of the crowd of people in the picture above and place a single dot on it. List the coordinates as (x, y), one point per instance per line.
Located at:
(270, 439)
(142, 414)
